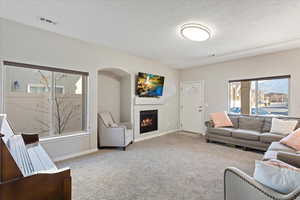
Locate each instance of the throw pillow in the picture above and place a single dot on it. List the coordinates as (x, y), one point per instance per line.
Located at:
(292, 140)
(277, 175)
(283, 127)
(221, 119)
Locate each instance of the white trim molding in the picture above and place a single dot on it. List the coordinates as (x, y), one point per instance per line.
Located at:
(75, 155)
(156, 135)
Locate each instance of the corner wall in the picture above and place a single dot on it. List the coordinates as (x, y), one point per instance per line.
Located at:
(216, 77)
(22, 43)
(109, 98)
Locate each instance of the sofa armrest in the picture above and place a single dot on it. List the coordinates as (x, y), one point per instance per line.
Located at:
(209, 124)
(238, 185)
(290, 158)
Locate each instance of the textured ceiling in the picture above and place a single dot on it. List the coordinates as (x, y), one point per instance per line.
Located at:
(150, 28)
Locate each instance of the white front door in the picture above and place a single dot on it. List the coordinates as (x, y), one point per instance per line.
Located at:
(191, 113)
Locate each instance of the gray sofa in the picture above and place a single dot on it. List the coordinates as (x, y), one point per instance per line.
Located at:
(248, 132)
(239, 185)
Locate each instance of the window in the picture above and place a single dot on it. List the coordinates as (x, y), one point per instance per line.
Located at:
(265, 96)
(45, 100)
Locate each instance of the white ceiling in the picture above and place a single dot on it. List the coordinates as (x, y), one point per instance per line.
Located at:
(149, 28)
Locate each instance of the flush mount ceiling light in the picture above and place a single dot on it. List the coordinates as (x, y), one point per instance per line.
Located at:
(195, 32)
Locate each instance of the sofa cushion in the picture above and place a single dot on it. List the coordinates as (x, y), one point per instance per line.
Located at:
(221, 131)
(251, 123)
(276, 146)
(235, 120)
(270, 137)
(267, 125)
(246, 134)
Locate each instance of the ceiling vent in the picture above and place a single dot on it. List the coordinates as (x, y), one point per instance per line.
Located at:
(47, 21)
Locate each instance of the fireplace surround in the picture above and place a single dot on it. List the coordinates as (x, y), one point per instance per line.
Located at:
(148, 121)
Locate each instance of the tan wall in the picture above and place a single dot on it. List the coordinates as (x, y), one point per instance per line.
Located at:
(26, 44)
(216, 77)
(109, 88)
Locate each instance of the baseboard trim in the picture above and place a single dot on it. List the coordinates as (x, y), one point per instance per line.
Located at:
(156, 135)
(62, 158)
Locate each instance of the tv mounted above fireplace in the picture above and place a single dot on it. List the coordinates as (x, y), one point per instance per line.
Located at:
(149, 85)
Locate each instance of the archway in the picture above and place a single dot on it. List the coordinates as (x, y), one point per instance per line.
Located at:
(115, 93)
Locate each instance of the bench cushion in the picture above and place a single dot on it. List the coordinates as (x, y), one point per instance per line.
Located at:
(270, 137)
(246, 134)
(221, 131)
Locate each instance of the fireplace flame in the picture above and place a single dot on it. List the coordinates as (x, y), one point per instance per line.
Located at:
(146, 122)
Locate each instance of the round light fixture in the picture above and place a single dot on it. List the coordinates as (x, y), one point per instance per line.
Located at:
(195, 32)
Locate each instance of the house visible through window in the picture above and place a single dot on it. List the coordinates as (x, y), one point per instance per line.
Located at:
(45, 100)
(39, 88)
(265, 96)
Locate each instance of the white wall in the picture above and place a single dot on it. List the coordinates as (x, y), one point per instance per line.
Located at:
(109, 95)
(22, 43)
(125, 99)
(216, 77)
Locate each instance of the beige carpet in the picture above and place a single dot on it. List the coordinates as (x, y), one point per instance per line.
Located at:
(177, 166)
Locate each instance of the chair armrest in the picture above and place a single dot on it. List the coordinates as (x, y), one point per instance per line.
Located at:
(128, 125)
(238, 185)
(116, 130)
(290, 158)
(209, 124)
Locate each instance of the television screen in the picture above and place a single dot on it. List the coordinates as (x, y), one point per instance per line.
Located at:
(149, 85)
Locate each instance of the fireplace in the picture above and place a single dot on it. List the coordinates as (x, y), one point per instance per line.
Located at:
(148, 121)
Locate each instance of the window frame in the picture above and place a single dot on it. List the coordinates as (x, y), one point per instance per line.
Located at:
(85, 92)
(256, 91)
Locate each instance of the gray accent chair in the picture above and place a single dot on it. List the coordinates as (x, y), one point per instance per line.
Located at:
(112, 134)
(240, 186)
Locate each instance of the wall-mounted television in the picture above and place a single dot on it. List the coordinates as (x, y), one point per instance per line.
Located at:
(149, 85)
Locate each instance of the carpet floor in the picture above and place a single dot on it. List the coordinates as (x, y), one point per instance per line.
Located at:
(178, 166)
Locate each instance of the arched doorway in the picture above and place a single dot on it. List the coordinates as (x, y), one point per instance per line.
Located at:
(115, 93)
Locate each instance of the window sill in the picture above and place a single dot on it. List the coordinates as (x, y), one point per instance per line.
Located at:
(84, 133)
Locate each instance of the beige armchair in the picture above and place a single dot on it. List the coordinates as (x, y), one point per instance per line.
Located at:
(112, 134)
(240, 186)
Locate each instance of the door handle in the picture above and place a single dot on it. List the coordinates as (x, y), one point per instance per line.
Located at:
(200, 108)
